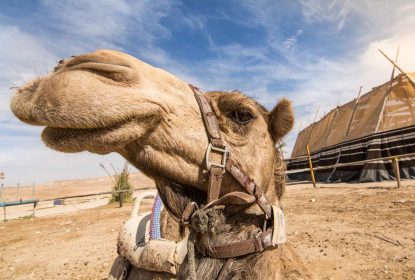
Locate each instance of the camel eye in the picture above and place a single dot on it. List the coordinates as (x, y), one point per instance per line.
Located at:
(242, 116)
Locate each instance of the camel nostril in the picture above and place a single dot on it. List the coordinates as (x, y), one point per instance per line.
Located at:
(117, 73)
(99, 57)
(103, 64)
(30, 87)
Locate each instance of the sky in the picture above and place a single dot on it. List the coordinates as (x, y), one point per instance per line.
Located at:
(316, 53)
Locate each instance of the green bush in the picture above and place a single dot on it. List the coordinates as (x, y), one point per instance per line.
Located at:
(122, 186)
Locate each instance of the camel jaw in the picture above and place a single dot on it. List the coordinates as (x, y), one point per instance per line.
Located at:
(102, 140)
(85, 127)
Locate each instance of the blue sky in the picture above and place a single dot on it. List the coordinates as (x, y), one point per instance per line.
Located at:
(316, 53)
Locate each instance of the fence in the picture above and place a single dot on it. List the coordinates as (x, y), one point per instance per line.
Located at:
(35, 202)
(312, 170)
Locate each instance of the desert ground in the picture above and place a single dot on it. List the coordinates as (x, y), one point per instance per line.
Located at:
(342, 231)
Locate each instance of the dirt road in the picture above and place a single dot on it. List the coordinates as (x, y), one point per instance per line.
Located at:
(343, 231)
(354, 231)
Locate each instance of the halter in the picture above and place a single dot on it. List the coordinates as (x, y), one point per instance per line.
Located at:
(253, 193)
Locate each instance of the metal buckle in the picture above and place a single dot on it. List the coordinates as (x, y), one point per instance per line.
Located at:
(224, 151)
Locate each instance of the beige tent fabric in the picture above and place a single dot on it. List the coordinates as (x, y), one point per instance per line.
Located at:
(386, 107)
(367, 113)
(302, 141)
(340, 124)
(400, 106)
(321, 131)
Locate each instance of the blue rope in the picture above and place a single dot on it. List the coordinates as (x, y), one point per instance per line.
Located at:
(155, 218)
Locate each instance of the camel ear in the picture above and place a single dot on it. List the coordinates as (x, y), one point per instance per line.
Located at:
(281, 119)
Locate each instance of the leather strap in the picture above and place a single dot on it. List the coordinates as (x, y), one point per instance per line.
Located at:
(215, 176)
(216, 171)
(215, 182)
(213, 132)
(242, 248)
(209, 118)
(188, 212)
(249, 186)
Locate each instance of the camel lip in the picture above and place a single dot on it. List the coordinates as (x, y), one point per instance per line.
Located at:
(98, 128)
(71, 133)
(75, 140)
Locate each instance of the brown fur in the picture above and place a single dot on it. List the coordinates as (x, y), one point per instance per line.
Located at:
(108, 101)
(281, 119)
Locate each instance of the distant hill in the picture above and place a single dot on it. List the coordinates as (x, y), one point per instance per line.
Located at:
(62, 188)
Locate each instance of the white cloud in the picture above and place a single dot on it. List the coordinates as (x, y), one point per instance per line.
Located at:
(338, 81)
(79, 27)
(84, 27)
(323, 81)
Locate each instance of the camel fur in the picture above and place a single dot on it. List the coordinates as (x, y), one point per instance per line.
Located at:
(108, 101)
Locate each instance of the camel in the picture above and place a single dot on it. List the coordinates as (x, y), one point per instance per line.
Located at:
(108, 101)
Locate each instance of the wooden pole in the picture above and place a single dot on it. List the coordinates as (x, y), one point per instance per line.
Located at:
(121, 197)
(17, 191)
(385, 98)
(34, 208)
(33, 191)
(310, 162)
(315, 117)
(346, 134)
(1, 192)
(310, 126)
(359, 162)
(394, 67)
(397, 66)
(397, 171)
(4, 213)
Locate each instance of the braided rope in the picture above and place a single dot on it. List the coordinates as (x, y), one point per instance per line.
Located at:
(155, 218)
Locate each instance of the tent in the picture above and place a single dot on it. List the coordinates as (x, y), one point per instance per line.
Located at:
(379, 124)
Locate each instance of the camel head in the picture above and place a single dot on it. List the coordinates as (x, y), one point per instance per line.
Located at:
(108, 101)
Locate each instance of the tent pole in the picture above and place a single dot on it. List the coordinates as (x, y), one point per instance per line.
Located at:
(301, 124)
(315, 117)
(310, 162)
(1, 192)
(331, 125)
(395, 163)
(17, 191)
(33, 191)
(397, 66)
(387, 91)
(346, 134)
(311, 131)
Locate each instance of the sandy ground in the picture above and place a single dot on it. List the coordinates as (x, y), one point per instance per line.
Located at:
(46, 193)
(342, 231)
